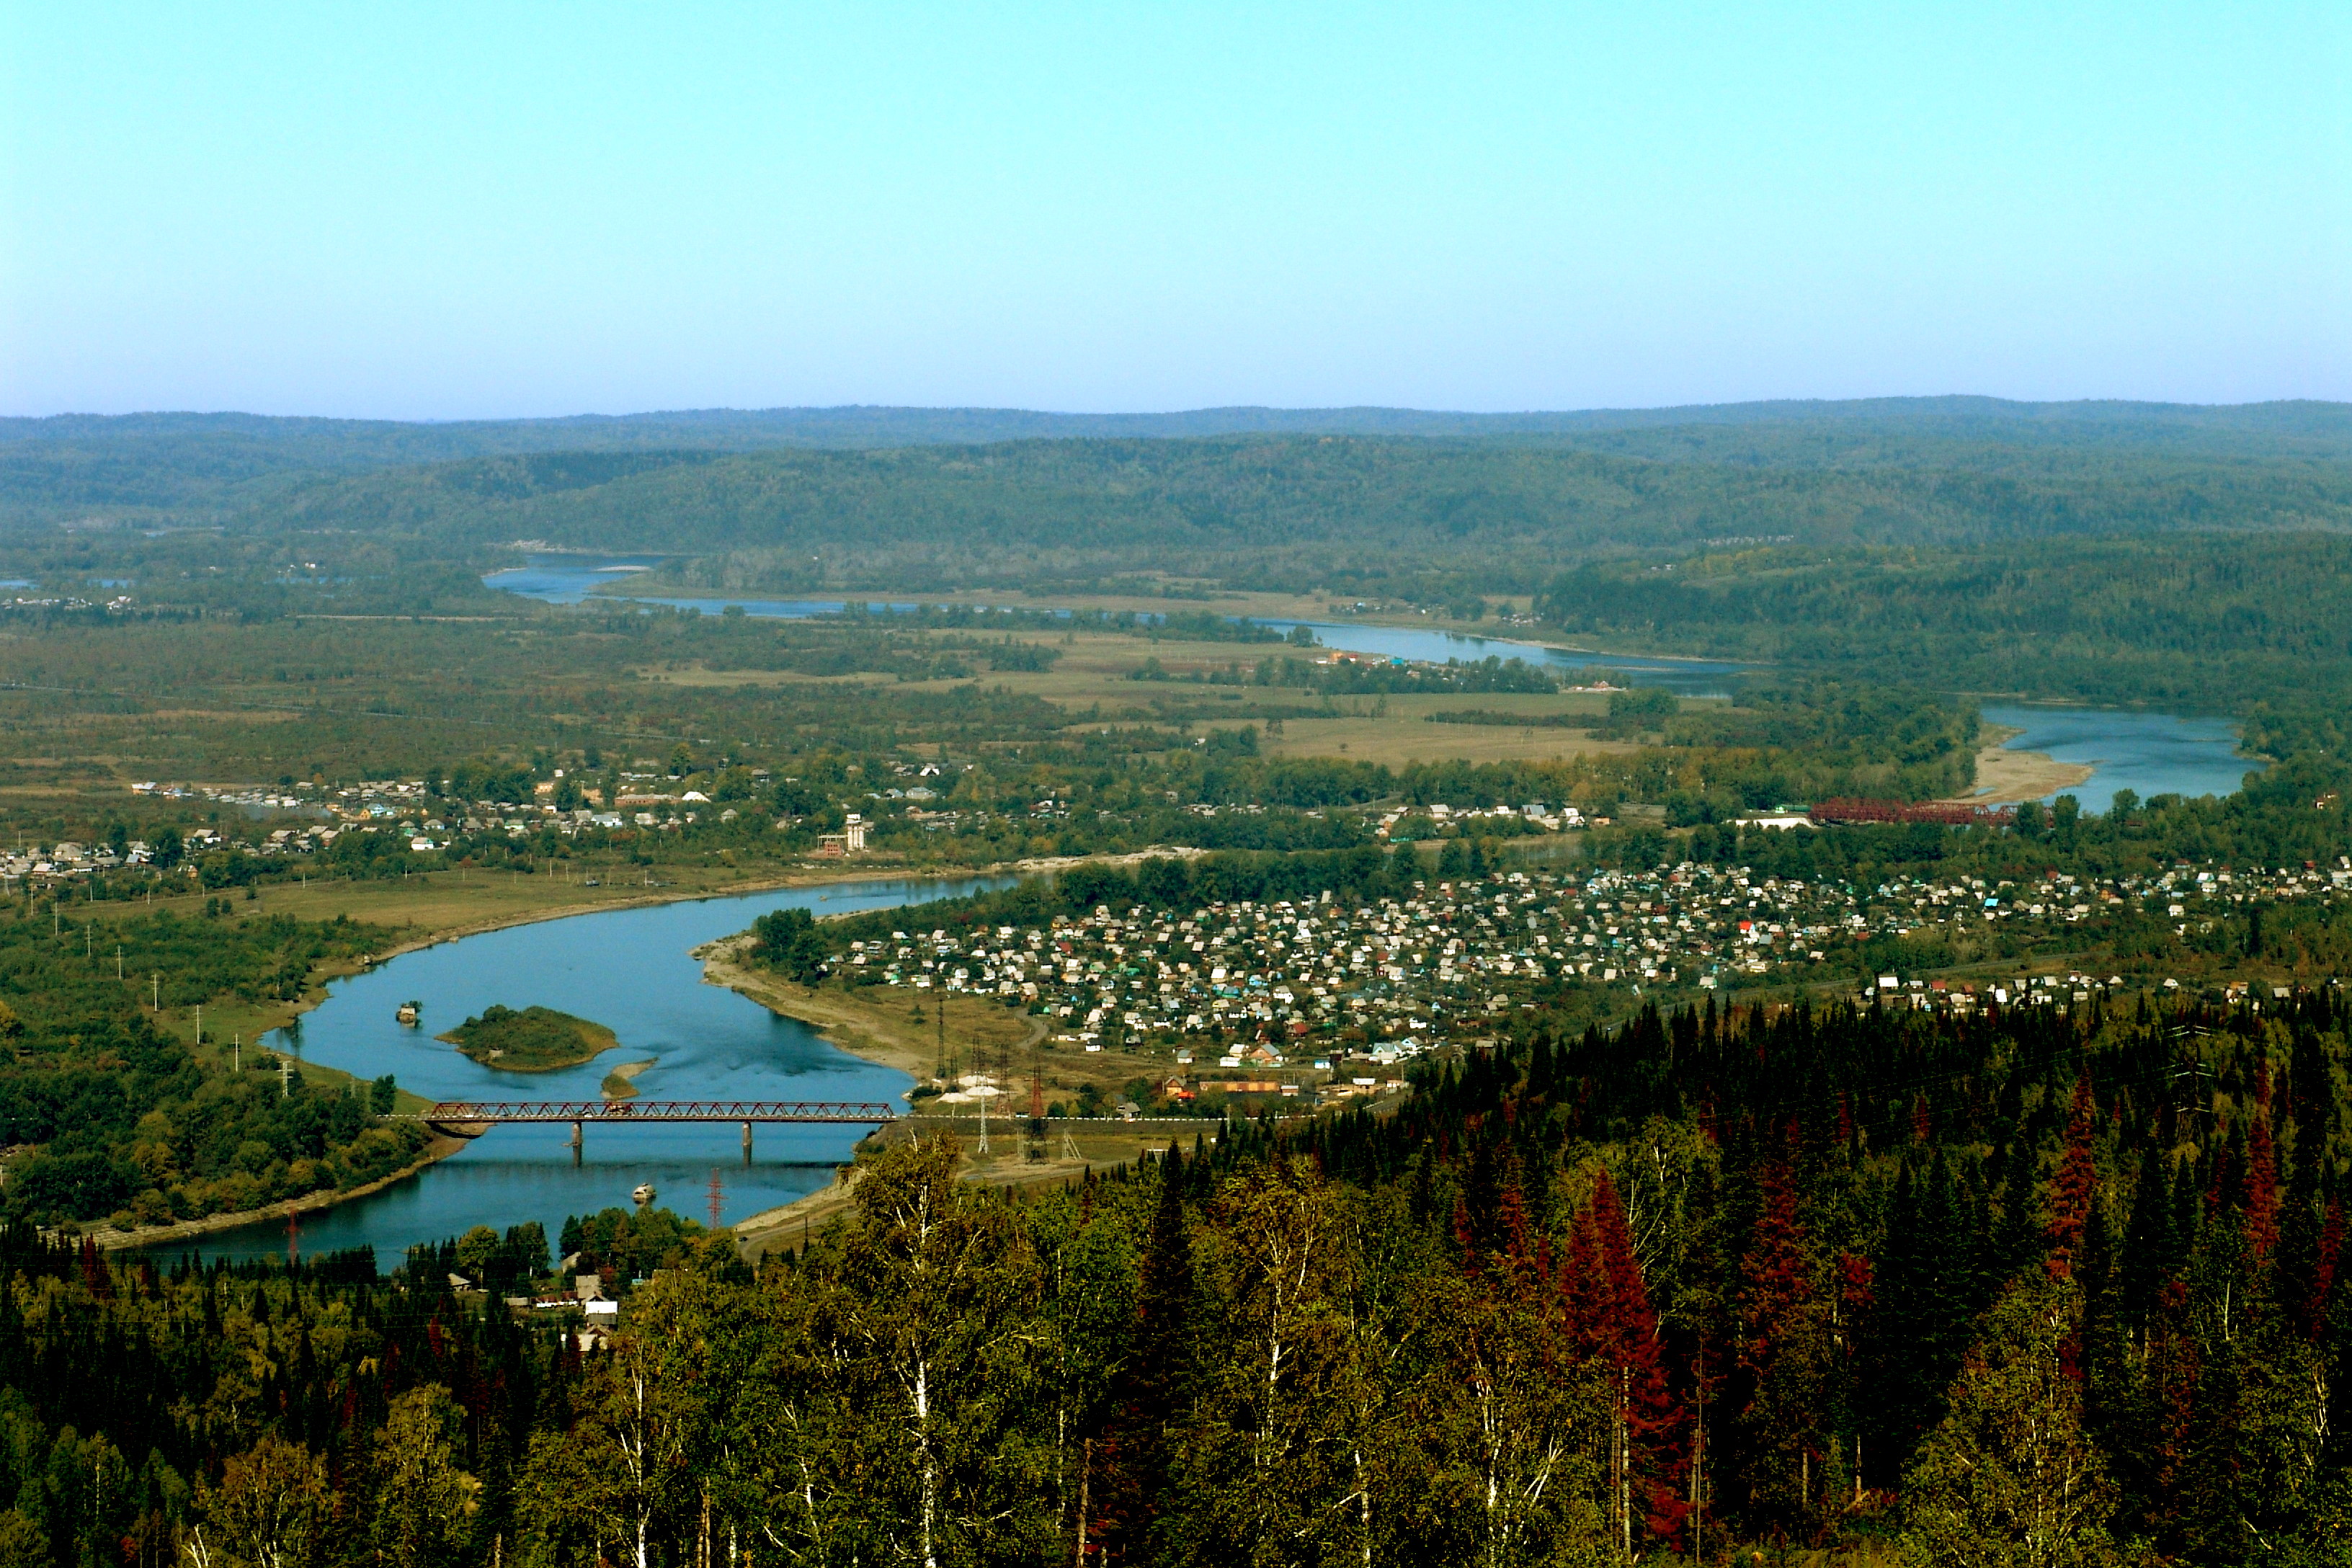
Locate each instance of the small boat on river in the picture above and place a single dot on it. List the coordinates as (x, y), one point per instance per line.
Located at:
(409, 1013)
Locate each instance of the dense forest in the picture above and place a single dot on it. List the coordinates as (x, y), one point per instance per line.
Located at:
(145, 1126)
(2033, 1287)
(2199, 620)
(1343, 515)
(207, 468)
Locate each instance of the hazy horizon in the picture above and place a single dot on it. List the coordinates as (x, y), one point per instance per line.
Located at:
(450, 213)
(695, 410)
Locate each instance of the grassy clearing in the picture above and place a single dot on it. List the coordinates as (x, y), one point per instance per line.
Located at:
(447, 903)
(1396, 740)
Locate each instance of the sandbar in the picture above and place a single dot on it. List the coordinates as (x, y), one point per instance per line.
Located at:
(2005, 776)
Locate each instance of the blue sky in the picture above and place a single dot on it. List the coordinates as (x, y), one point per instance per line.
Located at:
(452, 211)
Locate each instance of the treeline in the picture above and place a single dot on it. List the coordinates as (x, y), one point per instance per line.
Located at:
(1946, 1290)
(2291, 813)
(155, 1413)
(2208, 620)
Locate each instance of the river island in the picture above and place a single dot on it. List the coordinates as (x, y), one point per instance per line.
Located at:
(534, 1039)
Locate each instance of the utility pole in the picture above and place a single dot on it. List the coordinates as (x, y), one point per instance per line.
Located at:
(155, 1002)
(237, 1054)
(118, 960)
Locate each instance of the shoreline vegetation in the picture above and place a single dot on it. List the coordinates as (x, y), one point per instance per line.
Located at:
(533, 1039)
(619, 1084)
(109, 1239)
(889, 1036)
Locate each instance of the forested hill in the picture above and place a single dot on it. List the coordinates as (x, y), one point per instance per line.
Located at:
(1276, 511)
(192, 468)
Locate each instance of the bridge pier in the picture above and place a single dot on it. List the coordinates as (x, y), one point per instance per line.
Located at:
(578, 1142)
(747, 1143)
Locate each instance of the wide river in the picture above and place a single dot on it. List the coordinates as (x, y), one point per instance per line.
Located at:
(629, 970)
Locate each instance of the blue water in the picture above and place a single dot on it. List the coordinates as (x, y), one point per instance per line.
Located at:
(567, 579)
(570, 580)
(1691, 677)
(573, 580)
(630, 971)
(2153, 753)
(2150, 754)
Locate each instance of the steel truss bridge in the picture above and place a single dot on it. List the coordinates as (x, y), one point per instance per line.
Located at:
(470, 1117)
(499, 1110)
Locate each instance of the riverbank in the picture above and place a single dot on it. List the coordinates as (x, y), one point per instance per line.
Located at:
(320, 902)
(889, 1034)
(112, 1240)
(2005, 776)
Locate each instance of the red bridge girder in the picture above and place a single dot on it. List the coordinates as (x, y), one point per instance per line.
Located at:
(610, 1110)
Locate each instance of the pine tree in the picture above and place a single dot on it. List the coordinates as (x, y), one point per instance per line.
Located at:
(1137, 1453)
(2151, 1254)
(1926, 1290)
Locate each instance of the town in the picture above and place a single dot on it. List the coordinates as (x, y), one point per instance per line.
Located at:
(1321, 988)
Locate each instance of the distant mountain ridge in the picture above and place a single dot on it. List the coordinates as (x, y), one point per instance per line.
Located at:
(372, 441)
(171, 469)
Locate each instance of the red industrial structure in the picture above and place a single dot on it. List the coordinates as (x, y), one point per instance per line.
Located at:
(1951, 814)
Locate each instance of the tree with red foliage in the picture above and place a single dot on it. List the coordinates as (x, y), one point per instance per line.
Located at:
(2323, 1274)
(2072, 1189)
(1610, 1316)
(1783, 1346)
(2262, 1197)
(96, 1276)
